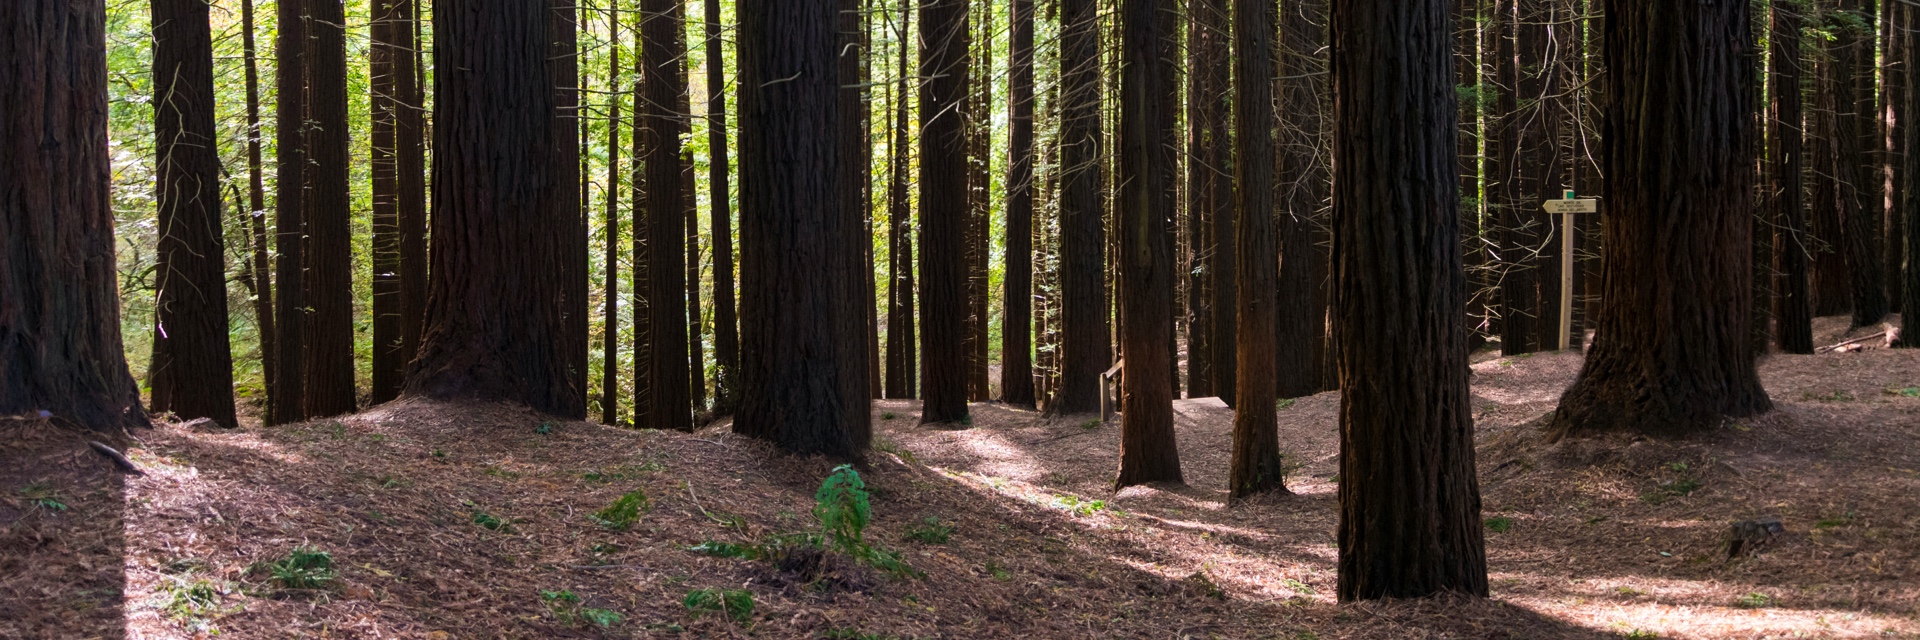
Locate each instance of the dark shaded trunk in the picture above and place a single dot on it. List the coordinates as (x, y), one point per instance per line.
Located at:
(979, 114)
(1473, 93)
(696, 321)
(259, 271)
(60, 346)
(1257, 466)
(1148, 186)
(1857, 188)
(191, 373)
(564, 65)
(329, 216)
(1083, 315)
(726, 332)
(1672, 354)
(900, 340)
(1791, 306)
(663, 51)
(494, 327)
(792, 236)
(410, 135)
(399, 195)
(287, 399)
(850, 194)
(1896, 52)
(1410, 503)
(943, 210)
(1210, 202)
(1519, 292)
(1016, 321)
(610, 226)
(1910, 206)
(1300, 304)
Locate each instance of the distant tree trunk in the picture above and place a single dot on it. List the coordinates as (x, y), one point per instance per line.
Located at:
(943, 210)
(1210, 199)
(1300, 304)
(1467, 55)
(1149, 184)
(494, 324)
(849, 191)
(60, 347)
(1832, 93)
(191, 373)
(1016, 322)
(386, 59)
(288, 397)
(1896, 54)
(410, 138)
(726, 333)
(1409, 504)
(900, 339)
(1256, 465)
(793, 287)
(329, 214)
(1910, 205)
(979, 215)
(870, 291)
(1518, 290)
(1084, 335)
(1671, 355)
(1853, 128)
(1544, 35)
(610, 225)
(566, 170)
(696, 350)
(257, 212)
(1791, 306)
(669, 377)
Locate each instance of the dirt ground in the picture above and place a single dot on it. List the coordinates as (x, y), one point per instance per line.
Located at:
(1592, 539)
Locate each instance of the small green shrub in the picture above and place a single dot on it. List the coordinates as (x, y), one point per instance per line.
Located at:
(729, 550)
(43, 497)
(489, 522)
(841, 505)
(734, 603)
(1283, 404)
(1500, 524)
(889, 415)
(623, 513)
(1642, 634)
(544, 428)
(303, 568)
(1297, 586)
(1831, 522)
(1754, 600)
(930, 531)
(602, 618)
(193, 602)
(1905, 392)
(1079, 506)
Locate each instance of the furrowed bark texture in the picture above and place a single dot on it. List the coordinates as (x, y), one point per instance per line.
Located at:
(287, 399)
(1016, 322)
(1792, 304)
(1256, 463)
(669, 379)
(1409, 501)
(943, 211)
(1084, 339)
(329, 213)
(1148, 189)
(1302, 367)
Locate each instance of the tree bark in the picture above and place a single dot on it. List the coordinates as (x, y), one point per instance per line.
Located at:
(1301, 368)
(60, 346)
(1791, 304)
(287, 400)
(1519, 293)
(1671, 355)
(726, 332)
(1410, 503)
(398, 192)
(900, 340)
(1256, 464)
(1084, 330)
(258, 268)
(1149, 183)
(610, 225)
(329, 213)
(979, 118)
(1016, 321)
(850, 191)
(1857, 189)
(564, 61)
(1910, 206)
(793, 279)
(191, 372)
(662, 53)
(1210, 199)
(696, 350)
(943, 211)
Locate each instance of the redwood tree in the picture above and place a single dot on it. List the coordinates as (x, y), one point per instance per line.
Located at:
(900, 374)
(329, 213)
(1410, 503)
(1671, 355)
(726, 332)
(793, 282)
(399, 195)
(1210, 205)
(1791, 304)
(494, 323)
(1256, 464)
(1084, 340)
(943, 211)
(610, 225)
(1301, 304)
(1148, 185)
(662, 52)
(191, 373)
(286, 401)
(60, 347)
(1016, 320)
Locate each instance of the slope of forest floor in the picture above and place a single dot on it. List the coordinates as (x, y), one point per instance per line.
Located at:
(479, 521)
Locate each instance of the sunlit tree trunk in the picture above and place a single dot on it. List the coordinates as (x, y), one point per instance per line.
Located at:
(943, 210)
(288, 397)
(1148, 185)
(1084, 340)
(1016, 323)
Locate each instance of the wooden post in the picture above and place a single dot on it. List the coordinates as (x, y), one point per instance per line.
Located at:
(1566, 277)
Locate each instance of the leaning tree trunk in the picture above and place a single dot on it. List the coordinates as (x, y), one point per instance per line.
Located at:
(1149, 183)
(1256, 465)
(793, 284)
(669, 377)
(1084, 340)
(1672, 353)
(1791, 304)
(191, 373)
(287, 398)
(1016, 321)
(1410, 504)
(494, 323)
(943, 211)
(60, 347)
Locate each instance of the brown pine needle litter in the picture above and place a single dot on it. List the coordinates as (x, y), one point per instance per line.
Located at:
(484, 521)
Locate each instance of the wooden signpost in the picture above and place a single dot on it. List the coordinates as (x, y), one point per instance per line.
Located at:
(1568, 206)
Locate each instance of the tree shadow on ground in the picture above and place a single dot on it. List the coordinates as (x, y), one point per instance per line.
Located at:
(61, 535)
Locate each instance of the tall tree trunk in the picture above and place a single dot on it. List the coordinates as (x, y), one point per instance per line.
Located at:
(610, 225)
(257, 211)
(1256, 464)
(329, 214)
(566, 170)
(792, 236)
(979, 211)
(1519, 293)
(1832, 290)
(1210, 197)
(1910, 205)
(663, 51)
(390, 21)
(1896, 52)
(1084, 335)
(1202, 71)
(1791, 306)
(287, 400)
(410, 138)
(1543, 35)
(726, 333)
(191, 372)
(900, 339)
(494, 326)
(60, 346)
(943, 210)
(1410, 504)
(1016, 321)
(1671, 355)
(849, 192)
(1467, 55)
(1857, 189)
(1149, 183)
(696, 350)
(1300, 303)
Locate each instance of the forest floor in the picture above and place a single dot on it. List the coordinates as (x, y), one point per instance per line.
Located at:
(478, 521)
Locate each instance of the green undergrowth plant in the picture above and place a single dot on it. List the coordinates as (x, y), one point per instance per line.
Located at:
(623, 513)
(844, 509)
(194, 602)
(736, 604)
(566, 608)
(931, 531)
(302, 568)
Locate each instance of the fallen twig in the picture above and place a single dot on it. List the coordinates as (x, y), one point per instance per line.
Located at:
(118, 459)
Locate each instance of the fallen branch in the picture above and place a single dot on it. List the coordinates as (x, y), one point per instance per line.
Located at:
(118, 459)
(1833, 347)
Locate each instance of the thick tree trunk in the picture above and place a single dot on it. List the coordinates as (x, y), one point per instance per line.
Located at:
(1410, 504)
(1671, 355)
(258, 269)
(410, 137)
(1148, 187)
(1016, 322)
(494, 326)
(566, 170)
(1896, 53)
(287, 399)
(60, 346)
(1256, 464)
(1300, 306)
(610, 226)
(1519, 292)
(850, 194)
(1857, 189)
(1791, 304)
(1084, 335)
(726, 333)
(793, 280)
(943, 210)
(662, 52)
(329, 214)
(1910, 206)
(191, 373)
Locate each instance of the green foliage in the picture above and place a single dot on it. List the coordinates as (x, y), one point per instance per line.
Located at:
(43, 497)
(1904, 392)
(930, 531)
(1499, 524)
(565, 607)
(729, 550)
(734, 603)
(1297, 586)
(602, 618)
(1753, 600)
(841, 505)
(1831, 522)
(544, 428)
(1091, 424)
(193, 602)
(487, 520)
(302, 568)
(1080, 506)
(888, 415)
(623, 513)
(1283, 404)
(998, 572)
(1642, 634)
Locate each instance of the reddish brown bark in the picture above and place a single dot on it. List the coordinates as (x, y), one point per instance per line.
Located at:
(1148, 185)
(1791, 301)
(329, 214)
(726, 332)
(1016, 322)
(1084, 340)
(943, 211)
(287, 398)
(1256, 465)
(668, 379)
